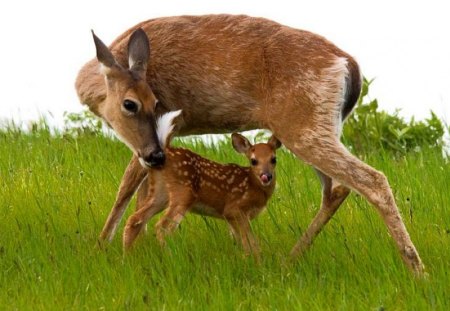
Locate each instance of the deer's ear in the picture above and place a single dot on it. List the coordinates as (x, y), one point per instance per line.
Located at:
(274, 142)
(138, 51)
(108, 63)
(240, 143)
(104, 56)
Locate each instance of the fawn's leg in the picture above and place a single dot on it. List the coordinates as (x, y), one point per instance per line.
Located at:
(155, 202)
(131, 180)
(234, 233)
(180, 200)
(241, 228)
(143, 193)
(332, 198)
(145, 190)
(328, 155)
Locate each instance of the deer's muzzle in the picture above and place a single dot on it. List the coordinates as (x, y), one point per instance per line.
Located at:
(154, 159)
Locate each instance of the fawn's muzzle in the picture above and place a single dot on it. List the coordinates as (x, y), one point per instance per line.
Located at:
(266, 178)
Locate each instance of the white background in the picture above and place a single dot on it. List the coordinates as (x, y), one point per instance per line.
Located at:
(405, 45)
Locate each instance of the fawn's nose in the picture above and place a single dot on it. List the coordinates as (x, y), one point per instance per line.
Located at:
(266, 178)
(156, 158)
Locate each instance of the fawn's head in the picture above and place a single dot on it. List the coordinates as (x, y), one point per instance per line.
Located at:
(130, 103)
(262, 156)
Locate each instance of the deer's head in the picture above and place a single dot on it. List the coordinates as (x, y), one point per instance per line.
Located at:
(262, 156)
(130, 103)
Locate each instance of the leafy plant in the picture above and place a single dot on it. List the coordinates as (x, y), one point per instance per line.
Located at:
(85, 122)
(369, 129)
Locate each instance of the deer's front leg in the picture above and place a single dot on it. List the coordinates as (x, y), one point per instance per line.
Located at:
(134, 174)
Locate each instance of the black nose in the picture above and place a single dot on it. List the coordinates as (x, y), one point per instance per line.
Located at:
(269, 176)
(156, 158)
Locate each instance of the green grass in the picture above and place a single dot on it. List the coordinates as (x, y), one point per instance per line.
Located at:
(57, 191)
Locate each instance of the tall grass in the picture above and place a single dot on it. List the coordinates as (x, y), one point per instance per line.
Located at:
(56, 192)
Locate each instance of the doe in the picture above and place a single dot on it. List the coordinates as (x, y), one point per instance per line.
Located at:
(232, 73)
(189, 182)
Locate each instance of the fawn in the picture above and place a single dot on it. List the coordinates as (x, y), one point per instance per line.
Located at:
(189, 182)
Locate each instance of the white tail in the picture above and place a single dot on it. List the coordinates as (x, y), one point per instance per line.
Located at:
(164, 127)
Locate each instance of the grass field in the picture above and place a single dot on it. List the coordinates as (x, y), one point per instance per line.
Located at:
(57, 191)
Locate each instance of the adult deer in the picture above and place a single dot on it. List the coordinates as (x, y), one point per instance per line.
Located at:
(232, 73)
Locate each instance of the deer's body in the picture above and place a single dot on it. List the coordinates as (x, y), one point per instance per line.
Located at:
(230, 73)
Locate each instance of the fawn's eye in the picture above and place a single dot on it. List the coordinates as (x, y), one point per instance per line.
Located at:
(254, 162)
(273, 160)
(130, 106)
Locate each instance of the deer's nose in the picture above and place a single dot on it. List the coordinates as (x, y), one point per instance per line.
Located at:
(156, 158)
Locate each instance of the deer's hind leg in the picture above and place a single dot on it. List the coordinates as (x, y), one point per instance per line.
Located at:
(332, 198)
(325, 152)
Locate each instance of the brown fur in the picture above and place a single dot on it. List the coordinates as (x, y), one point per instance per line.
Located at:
(189, 182)
(230, 73)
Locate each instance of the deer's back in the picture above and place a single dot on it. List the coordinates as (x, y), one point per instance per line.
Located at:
(224, 71)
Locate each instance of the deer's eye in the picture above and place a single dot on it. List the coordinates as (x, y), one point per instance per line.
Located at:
(273, 160)
(130, 106)
(254, 162)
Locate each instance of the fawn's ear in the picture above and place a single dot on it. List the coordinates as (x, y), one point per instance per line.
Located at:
(104, 56)
(240, 143)
(274, 142)
(138, 51)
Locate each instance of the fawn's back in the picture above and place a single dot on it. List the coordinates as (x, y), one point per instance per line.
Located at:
(218, 190)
